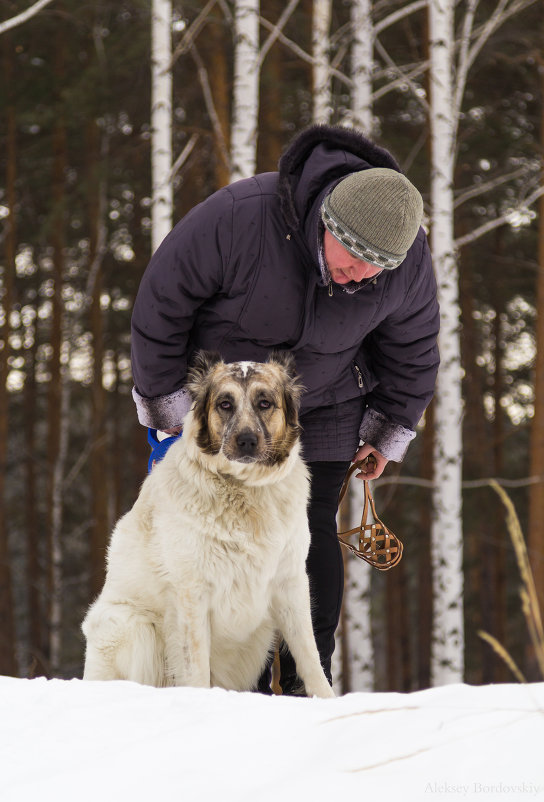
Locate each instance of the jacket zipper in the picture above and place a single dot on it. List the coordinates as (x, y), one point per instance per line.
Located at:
(359, 376)
(330, 288)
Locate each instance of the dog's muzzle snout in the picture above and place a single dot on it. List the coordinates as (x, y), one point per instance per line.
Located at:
(246, 442)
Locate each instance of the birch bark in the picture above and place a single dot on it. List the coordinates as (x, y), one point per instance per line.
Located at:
(357, 600)
(321, 23)
(362, 55)
(246, 89)
(161, 121)
(446, 536)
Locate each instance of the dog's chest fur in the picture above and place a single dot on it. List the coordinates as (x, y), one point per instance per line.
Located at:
(224, 545)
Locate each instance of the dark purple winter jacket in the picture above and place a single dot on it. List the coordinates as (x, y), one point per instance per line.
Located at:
(241, 274)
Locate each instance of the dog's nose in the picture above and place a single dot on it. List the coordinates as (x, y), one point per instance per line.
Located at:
(247, 443)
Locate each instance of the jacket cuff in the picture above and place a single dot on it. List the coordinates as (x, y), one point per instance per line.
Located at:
(163, 411)
(390, 439)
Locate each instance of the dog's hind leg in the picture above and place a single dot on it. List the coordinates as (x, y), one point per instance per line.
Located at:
(122, 644)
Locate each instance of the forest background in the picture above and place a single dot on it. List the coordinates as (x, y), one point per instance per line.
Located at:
(76, 202)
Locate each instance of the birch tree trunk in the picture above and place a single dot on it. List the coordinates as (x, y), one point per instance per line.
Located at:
(357, 607)
(245, 106)
(161, 121)
(446, 538)
(362, 55)
(321, 23)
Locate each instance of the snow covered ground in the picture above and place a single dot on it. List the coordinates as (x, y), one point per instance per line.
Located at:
(72, 741)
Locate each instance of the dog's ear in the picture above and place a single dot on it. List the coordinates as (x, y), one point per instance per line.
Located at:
(293, 388)
(199, 383)
(286, 360)
(203, 362)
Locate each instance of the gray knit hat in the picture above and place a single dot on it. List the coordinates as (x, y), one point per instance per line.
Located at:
(375, 214)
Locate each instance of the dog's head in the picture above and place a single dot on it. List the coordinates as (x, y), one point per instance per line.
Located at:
(245, 411)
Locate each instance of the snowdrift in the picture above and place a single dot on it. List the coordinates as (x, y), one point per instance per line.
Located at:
(72, 741)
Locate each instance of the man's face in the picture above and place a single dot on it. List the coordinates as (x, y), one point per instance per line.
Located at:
(343, 266)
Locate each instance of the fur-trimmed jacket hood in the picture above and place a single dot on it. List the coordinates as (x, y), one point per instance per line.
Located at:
(311, 161)
(241, 274)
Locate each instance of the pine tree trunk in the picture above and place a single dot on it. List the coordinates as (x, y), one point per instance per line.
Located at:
(33, 571)
(55, 383)
(477, 459)
(8, 664)
(117, 436)
(270, 143)
(500, 542)
(57, 516)
(424, 562)
(447, 548)
(219, 85)
(536, 498)
(99, 450)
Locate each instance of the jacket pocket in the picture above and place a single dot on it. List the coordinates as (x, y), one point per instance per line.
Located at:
(358, 376)
(365, 379)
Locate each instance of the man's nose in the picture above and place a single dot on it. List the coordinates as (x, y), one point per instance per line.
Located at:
(357, 272)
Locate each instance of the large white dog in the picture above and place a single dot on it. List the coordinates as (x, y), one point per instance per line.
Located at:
(208, 567)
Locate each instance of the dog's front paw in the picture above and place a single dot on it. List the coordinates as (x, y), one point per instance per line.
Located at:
(322, 690)
(328, 693)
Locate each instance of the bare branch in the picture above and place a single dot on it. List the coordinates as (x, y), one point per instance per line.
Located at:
(279, 26)
(498, 221)
(191, 33)
(463, 61)
(298, 51)
(23, 16)
(227, 13)
(210, 106)
(495, 21)
(418, 144)
(403, 12)
(183, 156)
(487, 186)
(404, 78)
(469, 484)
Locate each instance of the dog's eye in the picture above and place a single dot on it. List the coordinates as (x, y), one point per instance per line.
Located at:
(264, 404)
(226, 405)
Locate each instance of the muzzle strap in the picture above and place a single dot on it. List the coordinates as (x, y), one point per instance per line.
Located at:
(378, 546)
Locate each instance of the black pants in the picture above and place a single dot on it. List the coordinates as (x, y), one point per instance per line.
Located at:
(325, 570)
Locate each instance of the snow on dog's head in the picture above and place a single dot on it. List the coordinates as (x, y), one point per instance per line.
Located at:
(245, 414)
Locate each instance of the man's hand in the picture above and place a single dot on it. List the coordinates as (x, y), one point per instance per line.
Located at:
(374, 466)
